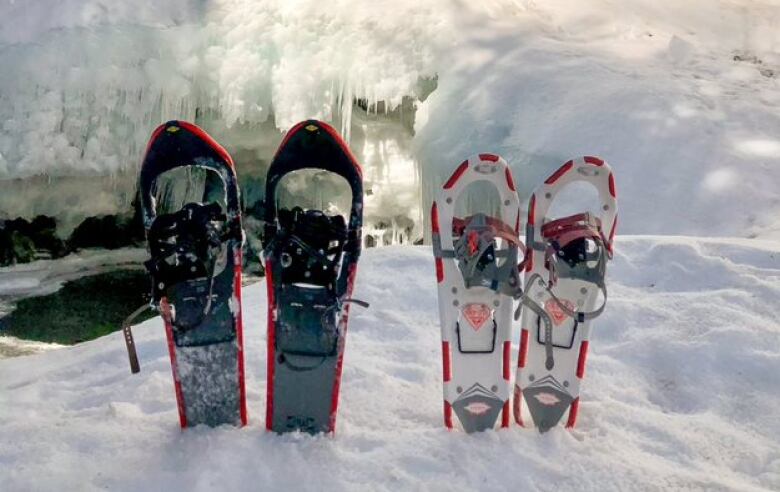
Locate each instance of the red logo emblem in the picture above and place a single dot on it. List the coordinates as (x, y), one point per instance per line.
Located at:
(473, 243)
(555, 311)
(477, 408)
(476, 314)
(547, 399)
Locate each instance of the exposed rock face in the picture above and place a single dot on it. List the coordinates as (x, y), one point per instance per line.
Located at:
(22, 241)
(108, 231)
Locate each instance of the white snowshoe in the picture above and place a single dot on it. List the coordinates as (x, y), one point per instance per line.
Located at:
(476, 270)
(564, 275)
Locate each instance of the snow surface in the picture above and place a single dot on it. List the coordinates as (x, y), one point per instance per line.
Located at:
(15, 347)
(43, 277)
(680, 392)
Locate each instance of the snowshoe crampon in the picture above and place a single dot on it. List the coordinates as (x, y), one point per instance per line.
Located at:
(476, 269)
(565, 276)
(311, 260)
(190, 204)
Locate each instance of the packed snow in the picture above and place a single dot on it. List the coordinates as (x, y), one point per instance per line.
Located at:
(680, 391)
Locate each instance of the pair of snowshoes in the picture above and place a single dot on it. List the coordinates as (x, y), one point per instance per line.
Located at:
(479, 261)
(191, 210)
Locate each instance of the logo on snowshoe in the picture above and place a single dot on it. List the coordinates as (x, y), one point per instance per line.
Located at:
(312, 128)
(547, 399)
(555, 311)
(486, 168)
(588, 171)
(476, 314)
(477, 408)
(172, 129)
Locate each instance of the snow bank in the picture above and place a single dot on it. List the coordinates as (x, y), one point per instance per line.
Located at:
(681, 98)
(680, 392)
(15, 347)
(44, 277)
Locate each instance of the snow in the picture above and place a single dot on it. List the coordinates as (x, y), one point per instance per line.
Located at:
(653, 88)
(14, 347)
(680, 391)
(47, 276)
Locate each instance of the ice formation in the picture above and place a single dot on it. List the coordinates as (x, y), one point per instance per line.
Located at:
(682, 99)
(89, 81)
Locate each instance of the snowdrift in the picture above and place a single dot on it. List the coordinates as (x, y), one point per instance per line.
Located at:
(681, 391)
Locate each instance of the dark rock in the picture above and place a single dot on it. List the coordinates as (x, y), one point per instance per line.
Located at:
(22, 241)
(107, 231)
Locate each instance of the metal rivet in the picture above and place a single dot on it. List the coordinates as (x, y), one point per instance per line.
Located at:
(531, 377)
(494, 388)
(506, 203)
(565, 384)
(496, 303)
(606, 207)
(449, 200)
(548, 195)
(286, 260)
(459, 389)
(454, 290)
(455, 302)
(584, 290)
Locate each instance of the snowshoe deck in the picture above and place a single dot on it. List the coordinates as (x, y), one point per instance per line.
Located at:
(311, 261)
(565, 276)
(476, 269)
(196, 274)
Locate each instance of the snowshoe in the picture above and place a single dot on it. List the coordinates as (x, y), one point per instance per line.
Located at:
(476, 270)
(311, 260)
(565, 275)
(195, 267)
